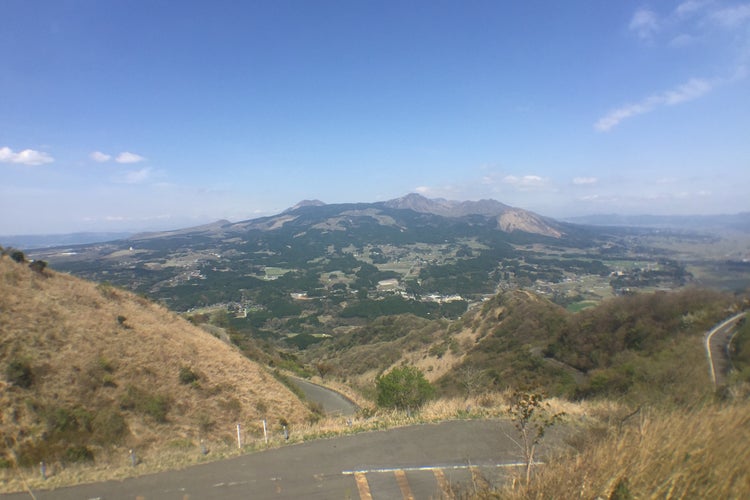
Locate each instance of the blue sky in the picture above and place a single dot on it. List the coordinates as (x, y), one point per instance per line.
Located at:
(130, 115)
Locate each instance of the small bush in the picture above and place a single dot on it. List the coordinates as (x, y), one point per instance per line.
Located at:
(77, 454)
(403, 388)
(18, 256)
(105, 365)
(19, 373)
(205, 423)
(109, 427)
(38, 266)
(157, 407)
(316, 412)
(153, 405)
(108, 381)
(187, 376)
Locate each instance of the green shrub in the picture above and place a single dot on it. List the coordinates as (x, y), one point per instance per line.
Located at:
(187, 376)
(108, 381)
(109, 427)
(38, 266)
(153, 405)
(17, 256)
(79, 453)
(403, 388)
(19, 373)
(205, 423)
(157, 407)
(105, 364)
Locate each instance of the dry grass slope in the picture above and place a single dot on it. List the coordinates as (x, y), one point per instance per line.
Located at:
(106, 371)
(703, 453)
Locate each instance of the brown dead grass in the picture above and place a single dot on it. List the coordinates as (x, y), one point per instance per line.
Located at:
(702, 453)
(83, 356)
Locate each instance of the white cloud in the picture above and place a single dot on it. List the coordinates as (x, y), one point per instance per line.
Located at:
(682, 40)
(582, 181)
(644, 23)
(422, 189)
(126, 157)
(689, 7)
(136, 176)
(26, 157)
(100, 157)
(694, 88)
(525, 182)
(666, 180)
(732, 17)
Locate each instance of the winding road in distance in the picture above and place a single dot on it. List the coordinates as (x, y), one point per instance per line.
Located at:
(332, 402)
(717, 344)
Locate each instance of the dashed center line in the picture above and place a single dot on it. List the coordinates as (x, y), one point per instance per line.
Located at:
(399, 473)
(403, 484)
(362, 486)
(443, 483)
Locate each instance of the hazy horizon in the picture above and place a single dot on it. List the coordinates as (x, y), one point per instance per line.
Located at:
(140, 116)
(189, 224)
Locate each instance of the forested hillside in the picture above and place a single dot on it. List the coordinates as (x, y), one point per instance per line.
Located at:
(642, 347)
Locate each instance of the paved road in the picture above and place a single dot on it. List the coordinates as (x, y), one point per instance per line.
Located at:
(421, 461)
(332, 402)
(717, 342)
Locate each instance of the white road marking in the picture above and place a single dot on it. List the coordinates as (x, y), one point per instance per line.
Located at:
(434, 467)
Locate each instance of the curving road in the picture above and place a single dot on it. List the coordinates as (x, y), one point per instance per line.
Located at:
(716, 343)
(422, 461)
(333, 403)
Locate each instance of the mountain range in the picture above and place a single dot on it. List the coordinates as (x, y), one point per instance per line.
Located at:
(507, 218)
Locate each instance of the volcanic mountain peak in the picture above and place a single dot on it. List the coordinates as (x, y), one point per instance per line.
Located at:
(448, 208)
(305, 203)
(509, 218)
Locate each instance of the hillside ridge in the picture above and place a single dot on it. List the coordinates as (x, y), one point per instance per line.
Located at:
(89, 369)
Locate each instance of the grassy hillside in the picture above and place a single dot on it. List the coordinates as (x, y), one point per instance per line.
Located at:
(90, 371)
(640, 348)
(637, 349)
(701, 453)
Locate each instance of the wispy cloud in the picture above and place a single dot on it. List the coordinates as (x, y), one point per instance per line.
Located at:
(583, 181)
(689, 7)
(526, 182)
(691, 22)
(644, 23)
(692, 89)
(136, 176)
(26, 157)
(126, 157)
(100, 157)
(682, 40)
(732, 17)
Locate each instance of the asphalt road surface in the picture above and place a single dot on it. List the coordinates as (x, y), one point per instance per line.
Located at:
(717, 343)
(332, 402)
(421, 461)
